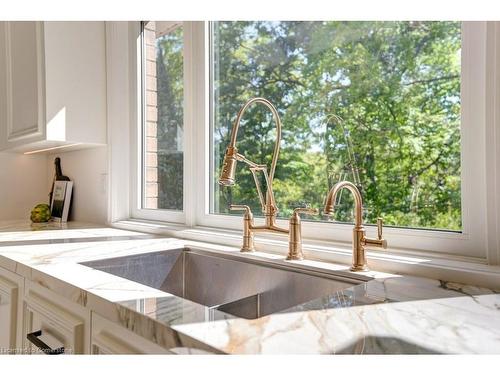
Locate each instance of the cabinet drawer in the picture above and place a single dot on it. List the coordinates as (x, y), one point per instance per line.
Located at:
(55, 321)
(111, 338)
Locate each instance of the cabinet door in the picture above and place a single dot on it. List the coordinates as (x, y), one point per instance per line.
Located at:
(110, 338)
(23, 79)
(52, 321)
(51, 334)
(10, 324)
(7, 322)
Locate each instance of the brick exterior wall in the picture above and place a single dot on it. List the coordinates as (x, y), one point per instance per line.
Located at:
(151, 156)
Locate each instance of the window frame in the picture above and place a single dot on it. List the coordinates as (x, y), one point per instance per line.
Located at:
(138, 136)
(476, 241)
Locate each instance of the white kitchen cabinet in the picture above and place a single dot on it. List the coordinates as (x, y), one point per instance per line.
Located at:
(52, 85)
(57, 322)
(11, 290)
(110, 338)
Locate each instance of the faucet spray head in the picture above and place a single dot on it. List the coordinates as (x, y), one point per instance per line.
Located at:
(227, 175)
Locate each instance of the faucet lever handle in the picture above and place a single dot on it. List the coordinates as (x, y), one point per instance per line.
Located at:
(240, 207)
(380, 225)
(306, 210)
(379, 241)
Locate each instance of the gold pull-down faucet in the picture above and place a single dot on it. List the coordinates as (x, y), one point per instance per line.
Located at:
(269, 207)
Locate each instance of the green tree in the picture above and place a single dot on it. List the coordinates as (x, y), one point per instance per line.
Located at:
(396, 85)
(170, 86)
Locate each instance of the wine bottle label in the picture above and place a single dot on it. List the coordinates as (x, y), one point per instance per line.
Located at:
(61, 200)
(59, 192)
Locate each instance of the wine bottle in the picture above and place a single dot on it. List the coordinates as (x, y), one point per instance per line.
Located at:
(58, 176)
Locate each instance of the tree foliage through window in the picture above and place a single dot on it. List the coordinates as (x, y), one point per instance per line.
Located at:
(378, 100)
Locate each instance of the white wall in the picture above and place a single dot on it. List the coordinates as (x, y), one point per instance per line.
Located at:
(22, 184)
(25, 180)
(88, 170)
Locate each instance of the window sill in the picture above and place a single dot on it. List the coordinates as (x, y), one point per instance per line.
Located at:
(444, 267)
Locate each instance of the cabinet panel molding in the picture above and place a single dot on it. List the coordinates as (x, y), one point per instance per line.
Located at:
(110, 338)
(11, 323)
(66, 321)
(53, 85)
(8, 314)
(24, 83)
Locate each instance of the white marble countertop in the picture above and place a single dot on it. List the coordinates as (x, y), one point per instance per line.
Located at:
(389, 314)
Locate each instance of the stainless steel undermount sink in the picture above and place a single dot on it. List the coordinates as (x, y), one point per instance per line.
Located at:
(239, 286)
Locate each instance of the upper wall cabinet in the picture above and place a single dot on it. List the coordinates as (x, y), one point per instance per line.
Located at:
(52, 85)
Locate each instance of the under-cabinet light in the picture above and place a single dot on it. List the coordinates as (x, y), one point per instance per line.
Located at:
(51, 148)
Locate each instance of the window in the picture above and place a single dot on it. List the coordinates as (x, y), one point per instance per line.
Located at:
(163, 115)
(376, 103)
(399, 108)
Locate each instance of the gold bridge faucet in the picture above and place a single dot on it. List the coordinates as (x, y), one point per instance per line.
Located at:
(269, 207)
(359, 239)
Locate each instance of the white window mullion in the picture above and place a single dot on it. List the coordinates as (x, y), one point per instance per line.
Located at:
(189, 121)
(136, 73)
(472, 137)
(493, 142)
(196, 175)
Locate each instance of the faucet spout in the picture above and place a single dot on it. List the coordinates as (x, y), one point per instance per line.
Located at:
(359, 239)
(232, 151)
(231, 157)
(358, 201)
